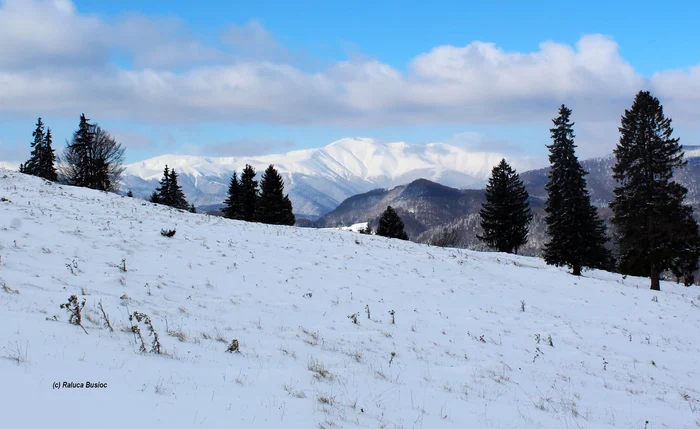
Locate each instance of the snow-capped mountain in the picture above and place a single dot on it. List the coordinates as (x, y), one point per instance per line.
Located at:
(319, 179)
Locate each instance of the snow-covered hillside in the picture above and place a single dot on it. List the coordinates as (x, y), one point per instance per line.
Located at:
(319, 179)
(480, 339)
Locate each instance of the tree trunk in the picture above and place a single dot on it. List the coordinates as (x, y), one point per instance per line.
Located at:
(577, 270)
(655, 284)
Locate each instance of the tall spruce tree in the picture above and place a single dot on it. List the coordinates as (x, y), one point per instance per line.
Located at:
(655, 230)
(249, 194)
(169, 193)
(175, 195)
(505, 215)
(162, 193)
(577, 234)
(232, 204)
(42, 159)
(274, 207)
(32, 166)
(391, 225)
(76, 163)
(92, 158)
(47, 161)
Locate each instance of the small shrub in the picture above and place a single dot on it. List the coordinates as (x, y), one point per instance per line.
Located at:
(141, 317)
(104, 316)
(320, 371)
(167, 232)
(354, 317)
(234, 347)
(74, 309)
(393, 318)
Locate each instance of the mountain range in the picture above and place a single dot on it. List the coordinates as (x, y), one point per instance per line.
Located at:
(430, 209)
(318, 180)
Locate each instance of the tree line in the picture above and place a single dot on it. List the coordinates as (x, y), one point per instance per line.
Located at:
(266, 203)
(653, 229)
(92, 157)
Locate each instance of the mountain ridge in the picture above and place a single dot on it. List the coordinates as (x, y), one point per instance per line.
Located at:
(319, 179)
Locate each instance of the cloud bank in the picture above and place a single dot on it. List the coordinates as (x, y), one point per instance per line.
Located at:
(56, 60)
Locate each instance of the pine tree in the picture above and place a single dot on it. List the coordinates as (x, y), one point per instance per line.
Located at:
(162, 193)
(175, 195)
(505, 215)
(391, 225)
(232, 204)
(193, 209)
(76, 165)
(92, 159)
(577, 234)
(130, 194)
(655, 230)
(249, 194)
(47, 161)
(273, 206)
(32, 166)
(169, 193)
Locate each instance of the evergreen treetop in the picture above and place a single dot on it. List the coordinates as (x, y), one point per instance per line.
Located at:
(391, 225)
(249, 194)
(162, 192)
(655, 230)
(505, 215)
(175, 194)
(273, 206)
(232, 204)
(32, 165)
(47, 161)
(42, 158)
(577, 234)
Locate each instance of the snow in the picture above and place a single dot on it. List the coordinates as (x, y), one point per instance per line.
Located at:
(356, 227)
(465, 355)
(319, 179)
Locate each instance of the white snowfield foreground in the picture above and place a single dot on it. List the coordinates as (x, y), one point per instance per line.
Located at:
(462, 353)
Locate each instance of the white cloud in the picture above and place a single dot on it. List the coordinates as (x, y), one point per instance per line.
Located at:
(252, 40)
(57, 62)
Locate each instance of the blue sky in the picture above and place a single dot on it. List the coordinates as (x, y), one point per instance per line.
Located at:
(247, 78)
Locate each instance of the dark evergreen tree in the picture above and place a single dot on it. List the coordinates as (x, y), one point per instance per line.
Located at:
(162, 193)
(232, 204)
(130, 194)
(32, 166)
(273, 206)
(76, 162)
(391, 225)
(169, 193)
(249, 194)
(655, 230)
(47, 161)
(505, 215)
(42, 159)
(193, 209)
(576, 233)
(92, 159)
(175, 195)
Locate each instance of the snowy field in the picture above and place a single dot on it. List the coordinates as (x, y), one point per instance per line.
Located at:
(480, 340)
